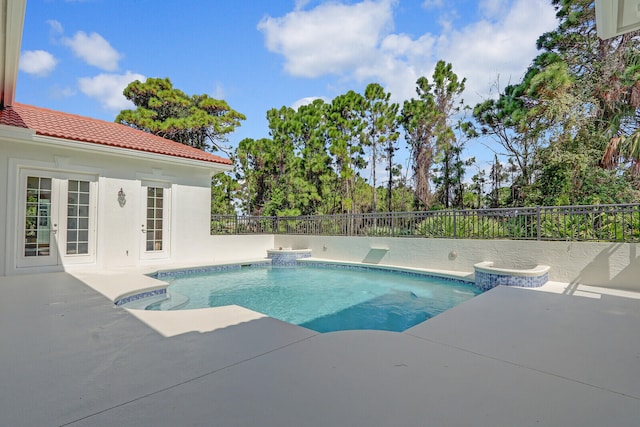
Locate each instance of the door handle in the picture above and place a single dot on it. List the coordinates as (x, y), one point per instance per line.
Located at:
(142, 229)
(54, 230)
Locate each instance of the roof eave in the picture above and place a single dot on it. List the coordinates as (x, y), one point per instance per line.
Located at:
(127, 152)
(12, 14)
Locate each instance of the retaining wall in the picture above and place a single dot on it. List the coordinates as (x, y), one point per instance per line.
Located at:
(613, 265)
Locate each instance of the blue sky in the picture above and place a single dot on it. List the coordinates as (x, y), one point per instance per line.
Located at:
(78, 55)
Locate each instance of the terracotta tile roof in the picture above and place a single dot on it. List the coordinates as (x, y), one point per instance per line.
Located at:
(78, 128)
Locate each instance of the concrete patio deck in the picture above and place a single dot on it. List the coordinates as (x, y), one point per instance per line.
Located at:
(509, 357)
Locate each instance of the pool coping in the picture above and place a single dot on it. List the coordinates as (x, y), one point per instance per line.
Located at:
(155, 290)
(508, 357)
(461, 276)
(488, 267)
(128, 281)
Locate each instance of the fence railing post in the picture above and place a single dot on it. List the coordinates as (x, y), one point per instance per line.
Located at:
(455, 228)
(617, 223)
(538, 223)
(393, 224)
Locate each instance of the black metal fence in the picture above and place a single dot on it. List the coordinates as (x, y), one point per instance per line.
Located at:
(610, 223)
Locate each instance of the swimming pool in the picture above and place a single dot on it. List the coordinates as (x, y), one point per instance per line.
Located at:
(322, 299)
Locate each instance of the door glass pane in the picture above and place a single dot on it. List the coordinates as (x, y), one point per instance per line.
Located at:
(78, 217)
(37, 236)
(154, 218)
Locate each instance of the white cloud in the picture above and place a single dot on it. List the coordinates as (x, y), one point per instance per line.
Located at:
(486, 50)
(432, 4)
(300, 4)
(39, 63)
(55, 26)
(58, 92)
(94, 49)
(108, 88)
(332, 38)
(218, 91)
(493, 8)
(356, 42)
(307, 100)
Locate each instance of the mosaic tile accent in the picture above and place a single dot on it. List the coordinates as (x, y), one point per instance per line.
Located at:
(207, 269)
(387, 270)
(486, 281)
(136, 297)
(185, 272)
(287, 258)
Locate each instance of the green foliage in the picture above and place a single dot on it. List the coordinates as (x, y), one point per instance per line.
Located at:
(569, 175)
(380, 133)
(223, 191)
(603, 226)
(430, 136)
(198, 121)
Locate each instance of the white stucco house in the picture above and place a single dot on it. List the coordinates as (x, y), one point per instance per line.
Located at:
(76, 191)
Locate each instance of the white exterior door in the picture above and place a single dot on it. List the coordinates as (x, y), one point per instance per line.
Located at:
(57, 219)
(155, 221)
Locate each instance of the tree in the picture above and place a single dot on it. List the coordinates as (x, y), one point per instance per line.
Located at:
(426, 121)
(498, 175)
(223, 192)
(419, 122)
(477, 187)
(607, 80)
(198, 121)
(345, 127)
(255, 169)
(381, 119)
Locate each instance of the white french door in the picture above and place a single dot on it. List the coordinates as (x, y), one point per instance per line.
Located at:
(156, 220)
(56, 220)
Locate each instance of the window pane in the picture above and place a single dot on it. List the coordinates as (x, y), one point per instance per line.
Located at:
(84, 186)
(33, 182)
(30, 249)
(37, 234)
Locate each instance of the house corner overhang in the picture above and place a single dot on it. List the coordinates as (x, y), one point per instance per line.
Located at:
(11, 25)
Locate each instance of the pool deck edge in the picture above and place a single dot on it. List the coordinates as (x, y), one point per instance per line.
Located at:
(507, 357)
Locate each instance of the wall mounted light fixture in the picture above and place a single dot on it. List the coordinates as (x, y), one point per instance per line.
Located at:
(122, 198)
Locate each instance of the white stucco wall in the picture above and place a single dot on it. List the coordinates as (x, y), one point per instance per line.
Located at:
(119, 240)
(615, 265)
(3, 206)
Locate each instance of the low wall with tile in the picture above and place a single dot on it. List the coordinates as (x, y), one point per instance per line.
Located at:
(614, 265)
(487, 276)
(287, 257)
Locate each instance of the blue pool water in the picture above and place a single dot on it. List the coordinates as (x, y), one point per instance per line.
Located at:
(323, 299)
